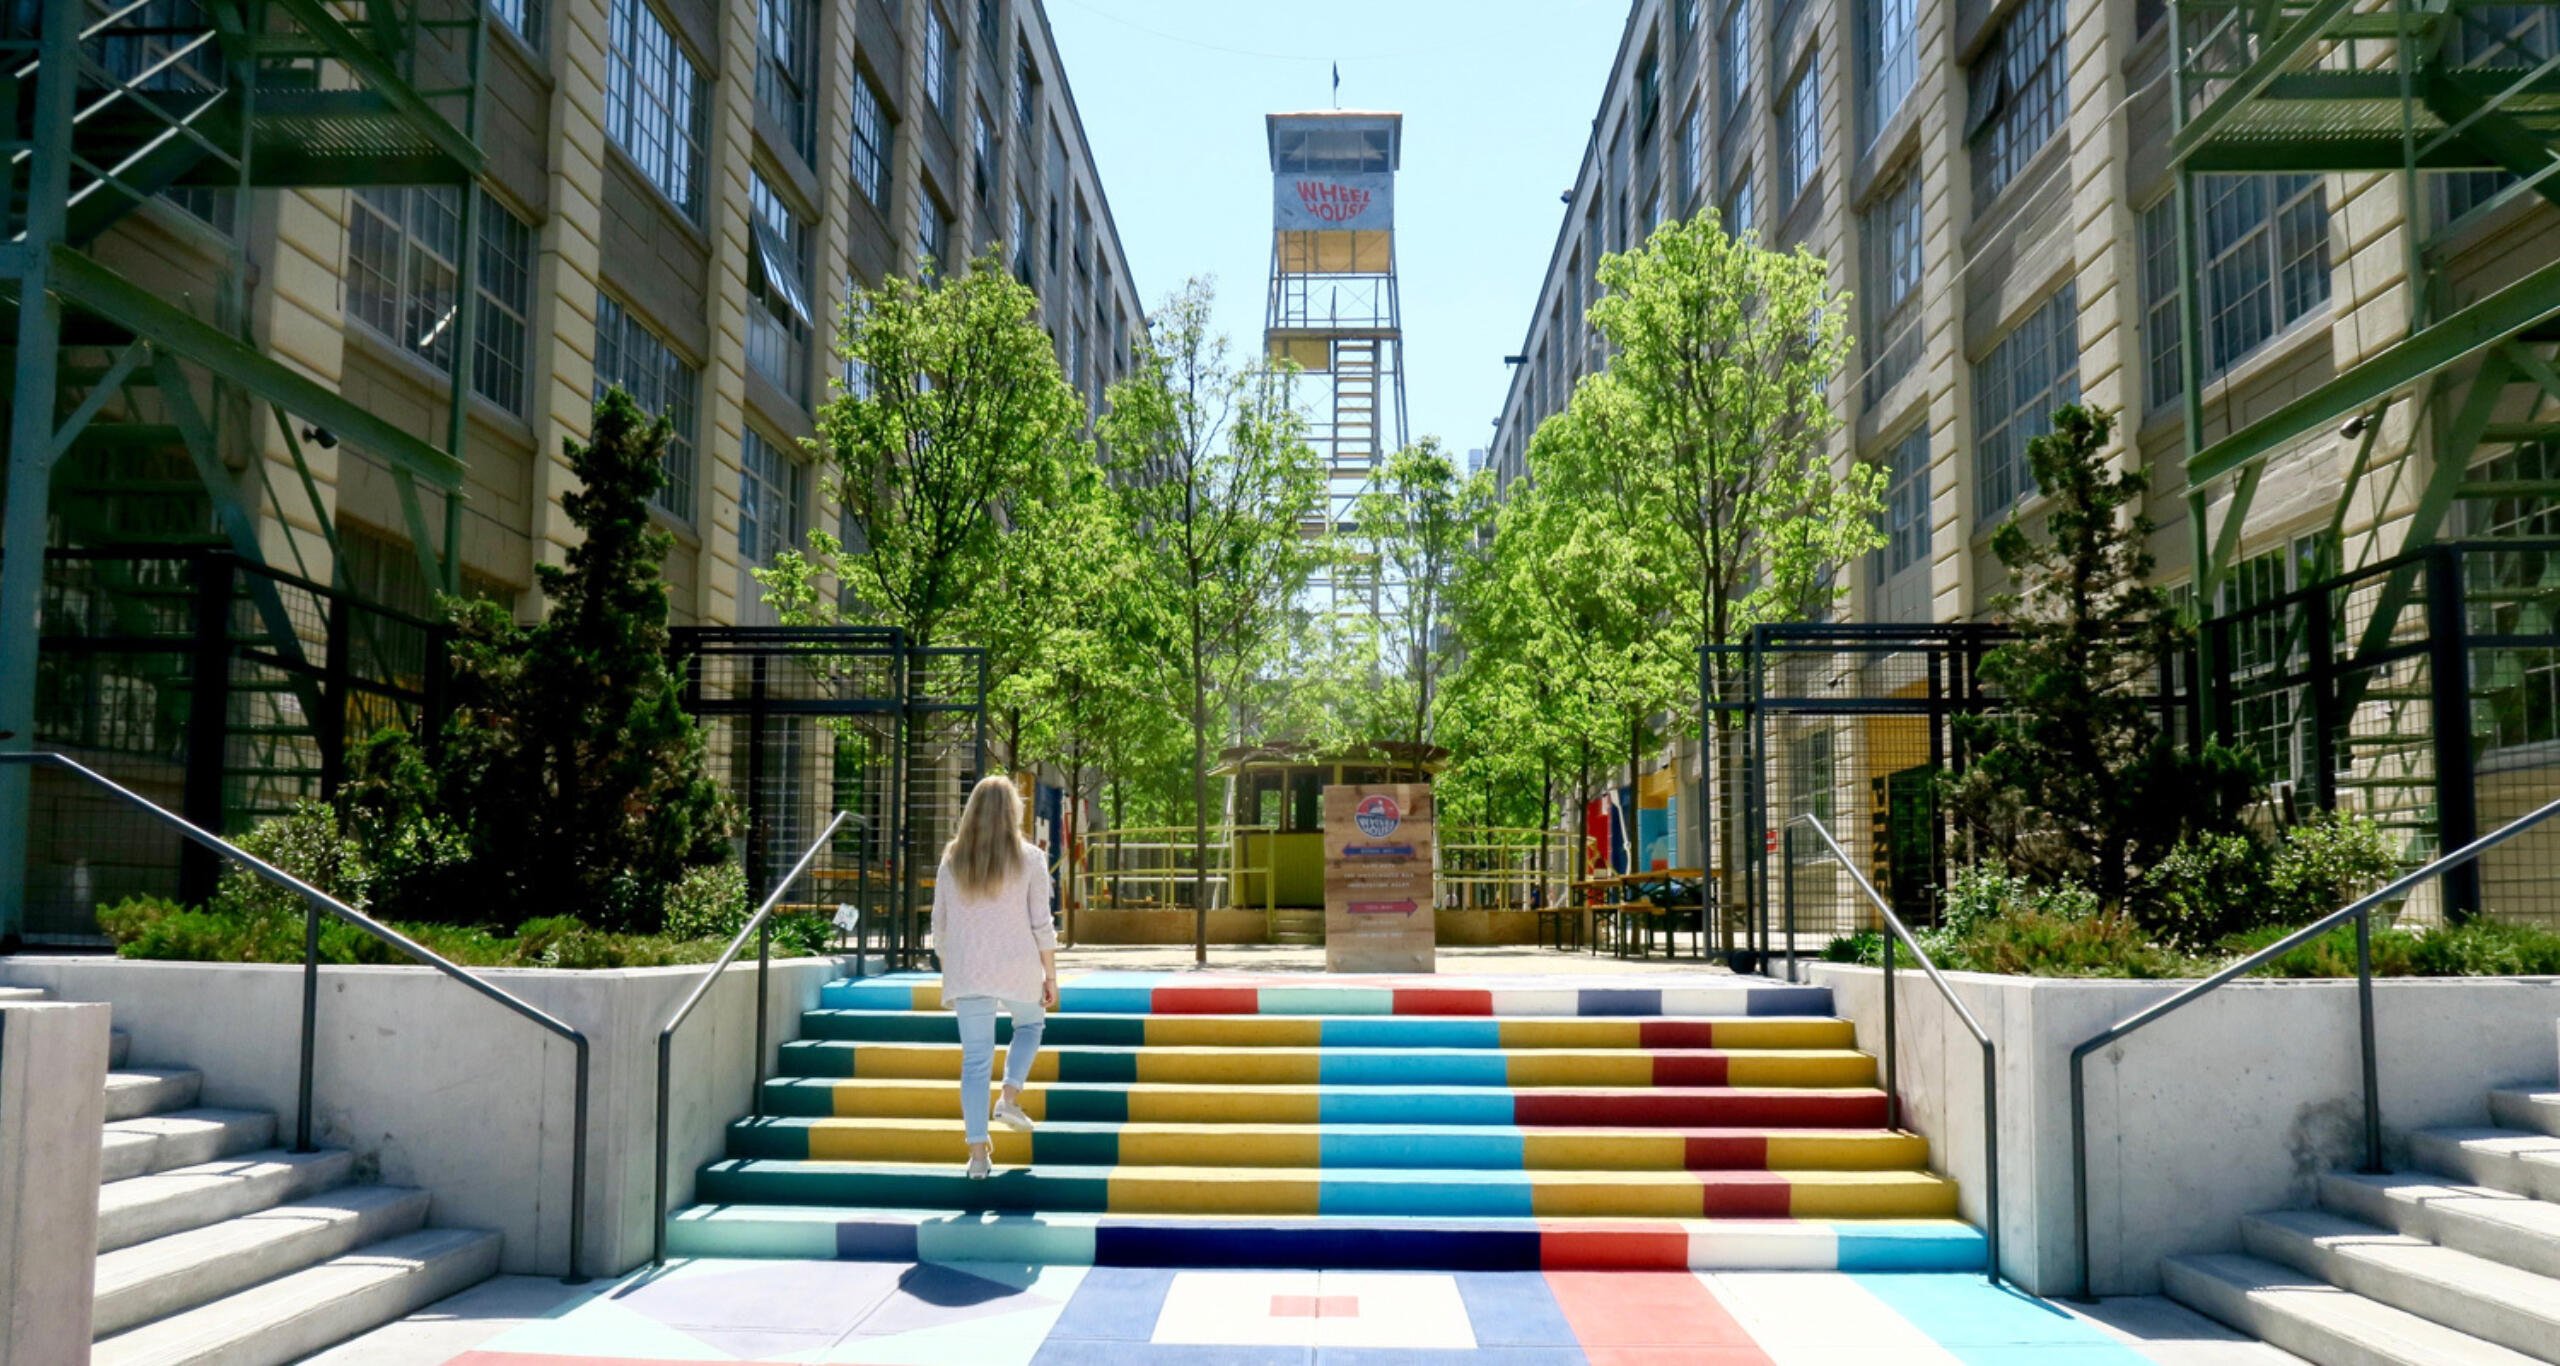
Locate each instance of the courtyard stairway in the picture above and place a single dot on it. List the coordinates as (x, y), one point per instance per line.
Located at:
(1460, 1124)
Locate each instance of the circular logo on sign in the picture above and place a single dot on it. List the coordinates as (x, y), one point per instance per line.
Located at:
(1377, 816)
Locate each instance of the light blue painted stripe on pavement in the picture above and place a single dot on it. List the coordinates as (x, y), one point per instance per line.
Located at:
(1383, 1105)
(1918, 1248)
(1015, 1240)
(1411, 1031)
(1419, 1149)
(1326, 1001)
(1987, 1325)
(1408, 1069)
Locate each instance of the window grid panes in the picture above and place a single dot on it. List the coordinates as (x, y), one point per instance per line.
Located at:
(2509, 592)
(402, 278)
(1905, 516)
(1693, 151)
(654, 108)
(629, 354)
(1648, 96)
(937, 61)
(2034, 370)
(2019, 95)
(982, 154)
(1739, 212)
(523, 16)
(2492, 37)
(1733, 56)
(784, 31)
(872, 132)
(1026, 93)
(1800, 131)
(778, 322)
(1892, 60)
(1893, 285)
(2264, 248)
(773, 510)
(1025, 260)
(933, 237)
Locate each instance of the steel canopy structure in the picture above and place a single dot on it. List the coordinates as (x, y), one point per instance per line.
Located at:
(115, 415)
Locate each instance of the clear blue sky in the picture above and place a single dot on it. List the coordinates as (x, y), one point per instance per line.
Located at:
(1497, 97)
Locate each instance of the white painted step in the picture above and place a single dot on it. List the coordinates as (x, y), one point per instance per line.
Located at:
(2485, 1299)
(182, 1138)
(2529, 1110)
(145, 1207)
(9, 995)
(2516, 1160)
(2312, 1319)
(2502, 1226)
(295, 1315)
(167, 1275)
(135, 1092)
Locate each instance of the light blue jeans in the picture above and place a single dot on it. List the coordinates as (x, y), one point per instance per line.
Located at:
(978, 1053)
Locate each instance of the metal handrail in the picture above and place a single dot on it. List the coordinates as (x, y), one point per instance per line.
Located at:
(761, 925)
(316, 901)
(2360, 911)
(1892, 1099)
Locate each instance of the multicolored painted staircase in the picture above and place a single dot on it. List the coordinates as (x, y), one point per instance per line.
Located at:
(1195, 1120)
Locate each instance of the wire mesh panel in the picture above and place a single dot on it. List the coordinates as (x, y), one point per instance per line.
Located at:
(801, 724)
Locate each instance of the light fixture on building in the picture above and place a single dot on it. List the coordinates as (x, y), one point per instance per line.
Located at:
(321, 437)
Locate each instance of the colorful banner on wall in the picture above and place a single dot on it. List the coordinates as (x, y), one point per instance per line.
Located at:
(1363, 201)
(1656, 798)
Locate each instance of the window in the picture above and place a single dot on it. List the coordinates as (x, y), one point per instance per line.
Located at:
(1026, 93)
(523, 16)
(783, 55)
(1905, 518)
(657, 379)
(1800, 131)
(982, 154)
(1733, 57)
(1084, 237)
(403, 255)
(989, 35)
(2019, 97)
(2034, 370)
(1025, 263)
(1890, 60)
(1689, 16)
(933, 236)
(778, 318)
(2509, 597)
(2147, 15)
(1693, 151)
(2511, 38)
(857, 371)
(873, 136)
(2262, 244)
(1809, 758)
(1739, 216)
(1893, 285)
(773, 510)
(937, 61)
(1648, 96)
(1054, 231)
(655, 109)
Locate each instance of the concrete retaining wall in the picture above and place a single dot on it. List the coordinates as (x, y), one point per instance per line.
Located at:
(2235, 1104)
(53, 1098)
(435, 1086)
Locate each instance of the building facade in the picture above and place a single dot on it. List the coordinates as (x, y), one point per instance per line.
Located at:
(679, 197)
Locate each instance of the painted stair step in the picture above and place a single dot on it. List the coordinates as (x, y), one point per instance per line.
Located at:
(1356, 1067)
(1253, 1190)
(146, 1207)
(295, 1315)
(1643, 1107)
(2504, 1227)
(1354, 1031)
(1407, 1147)
(135, 1092)
(2313, 1319)
(2535, 1112)
(1181, 994)
(2488, 1300)
(1338, 1242)
(181, 1138)
(167, 1275)
(2517, 1161)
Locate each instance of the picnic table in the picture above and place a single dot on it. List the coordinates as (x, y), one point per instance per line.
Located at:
(1629, 909)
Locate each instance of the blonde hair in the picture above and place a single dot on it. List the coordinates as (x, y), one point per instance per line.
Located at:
(988, 846)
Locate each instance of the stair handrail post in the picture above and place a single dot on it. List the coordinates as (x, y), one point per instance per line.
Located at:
(315, 902)
(1896, 931)
(759, 923)
(2359, 912)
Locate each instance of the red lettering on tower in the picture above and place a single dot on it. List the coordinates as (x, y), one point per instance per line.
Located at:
(1329, 201)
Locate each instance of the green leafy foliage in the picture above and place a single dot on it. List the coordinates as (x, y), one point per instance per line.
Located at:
(2073, 776)
(2215, 885)
(2477, 948)
(160, 929)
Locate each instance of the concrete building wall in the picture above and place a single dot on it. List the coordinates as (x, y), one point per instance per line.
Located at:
(598, 224)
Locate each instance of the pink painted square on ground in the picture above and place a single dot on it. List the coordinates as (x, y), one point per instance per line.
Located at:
(1315, 1306)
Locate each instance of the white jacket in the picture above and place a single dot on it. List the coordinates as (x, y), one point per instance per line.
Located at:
(991, 944)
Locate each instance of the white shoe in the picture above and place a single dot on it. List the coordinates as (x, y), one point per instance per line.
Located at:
(1010, 1116)
(979, 1168)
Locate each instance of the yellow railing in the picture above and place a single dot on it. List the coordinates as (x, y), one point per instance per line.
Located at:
(1157, 867)
(1499, 868)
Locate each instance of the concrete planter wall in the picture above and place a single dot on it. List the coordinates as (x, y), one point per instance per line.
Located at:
(433, 1086)
(2235, 1104)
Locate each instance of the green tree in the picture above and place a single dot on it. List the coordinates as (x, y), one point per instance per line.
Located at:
(1709, 431)
(1414, 527)
(1215, 479)
(2074, 777)
(959, 421)
(569, 780)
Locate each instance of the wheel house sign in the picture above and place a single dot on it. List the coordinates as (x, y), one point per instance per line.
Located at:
(1354, 201)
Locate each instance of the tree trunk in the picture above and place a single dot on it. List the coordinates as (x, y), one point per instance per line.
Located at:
(1199, 796)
